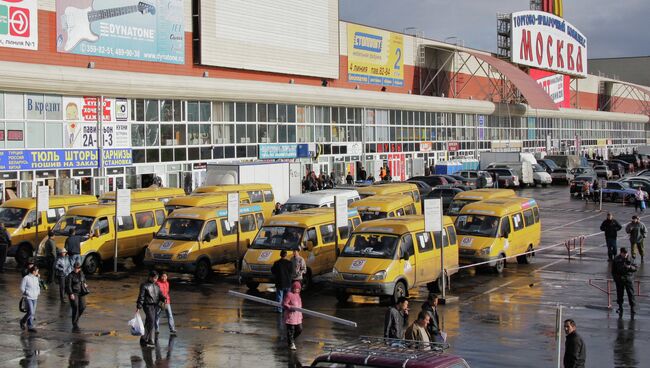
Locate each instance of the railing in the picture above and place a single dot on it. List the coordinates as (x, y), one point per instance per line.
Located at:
(608, 289)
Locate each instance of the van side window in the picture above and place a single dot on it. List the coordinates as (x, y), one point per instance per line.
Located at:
(327, 233)
(125, 223)
(505, 226)
(536, 214)
(416, 196)
(54, 214)
(399, 212)
(260, 219)
(452, 235)
(410, 209)
(226, 229)
(160, 216)
(439, 240)
(407, 245)
(517, 221)
(247, 223)
(211, 229)
(245, 201)
(425, 242)
(268, 196)
(356, 221)
(102, 226)
(344, 232)
(391, 214)
(31, 218)
(529, 217)
(311, 235)
(144, 219)
(256, 196)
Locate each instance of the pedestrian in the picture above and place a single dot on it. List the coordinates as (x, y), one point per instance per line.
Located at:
(333, 179)
(575, 351)
(282, 271)
(396, 319)
(77, 289)
(349, 179)
(30, 288)
(163, 284)
(148, 299)
(363, 175)
(62, 269)
(292, 317)
(418, 330)
(431, 307)
(28, 266)
(639, 200)
(50, 255)
(637, 231)
(388, 176)
(586, 190)
(382, 173)
(298, 266)
(611, 227)
(73, 246)
(5, 243)
(623, 270)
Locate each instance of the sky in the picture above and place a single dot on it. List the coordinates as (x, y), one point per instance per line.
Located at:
(474, 21)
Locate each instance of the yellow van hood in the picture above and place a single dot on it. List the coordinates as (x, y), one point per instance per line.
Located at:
(59, 241)
(368, 266)
(169, 246)
(264, 256)
(474, 242)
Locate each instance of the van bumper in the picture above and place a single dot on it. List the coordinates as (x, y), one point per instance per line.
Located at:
(261, 277)
(172, 266)
(384, 288)
(468, 260)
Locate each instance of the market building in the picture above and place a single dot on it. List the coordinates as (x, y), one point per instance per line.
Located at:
(173, 85)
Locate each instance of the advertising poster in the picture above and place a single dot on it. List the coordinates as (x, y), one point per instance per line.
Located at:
(375, 56)
(556, 85)
(11, 160)
(81, 126)
(19, 24)
(148, 30)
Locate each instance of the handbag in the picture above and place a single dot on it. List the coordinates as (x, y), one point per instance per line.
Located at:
(84, 290)
(22, 304)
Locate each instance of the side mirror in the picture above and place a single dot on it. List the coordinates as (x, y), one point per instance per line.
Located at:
(28, 225)
(506, 234)
(405, 256)
(96, 234)
(207, 238)
(309, 245)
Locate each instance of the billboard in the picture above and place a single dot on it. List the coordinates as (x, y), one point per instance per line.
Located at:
(545, 41)
(45, 159)
(375, 56)
(556, 85)
(149, 30)
(80, 114)
(19, 24)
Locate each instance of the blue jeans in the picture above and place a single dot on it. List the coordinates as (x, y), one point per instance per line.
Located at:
(30, 314)
(75, 258)
(611, 247)
(279, 296)
(170, 317)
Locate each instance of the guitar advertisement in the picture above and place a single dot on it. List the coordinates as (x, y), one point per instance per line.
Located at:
(19, 24)
(148, 30)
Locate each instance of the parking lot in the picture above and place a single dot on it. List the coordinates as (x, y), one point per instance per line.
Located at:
(502, 320)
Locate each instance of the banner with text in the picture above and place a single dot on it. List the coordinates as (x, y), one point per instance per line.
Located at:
(375, 56)
(62, 159)
(81, 127)
(148, 30)
(19, 24)
(556, 85)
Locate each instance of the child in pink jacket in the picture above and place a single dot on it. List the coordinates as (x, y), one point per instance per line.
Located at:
(292, 318)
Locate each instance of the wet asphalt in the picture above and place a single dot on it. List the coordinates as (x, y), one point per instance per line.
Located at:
(503, 320)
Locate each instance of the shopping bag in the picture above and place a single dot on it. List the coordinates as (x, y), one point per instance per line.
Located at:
(643, 204)
(22, 305)
(136, 326)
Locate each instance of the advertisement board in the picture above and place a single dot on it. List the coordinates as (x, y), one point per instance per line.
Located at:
(276, 151)
(19, 24)
(62, 159)
(148, 30)
(556, 85)
(80, 114)
(375, 56)
(545, 41)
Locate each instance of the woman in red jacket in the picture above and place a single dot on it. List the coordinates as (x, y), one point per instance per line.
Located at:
(293, 318)
(163, 284)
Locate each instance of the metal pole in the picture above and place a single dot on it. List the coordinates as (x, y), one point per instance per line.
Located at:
(600, 207)
(238, 255)
(558, 326)
(36, 219)
(442, 253)
(115, 220)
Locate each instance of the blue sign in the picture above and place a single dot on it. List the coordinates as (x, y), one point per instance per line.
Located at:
(148, 30)
(481, 127)
(11, 160)
(283, 151)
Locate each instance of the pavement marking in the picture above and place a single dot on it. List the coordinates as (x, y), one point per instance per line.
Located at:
(573, 222)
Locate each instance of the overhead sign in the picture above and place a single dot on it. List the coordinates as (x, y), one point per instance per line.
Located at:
(546, 41)
(233, 207)
(19, 24)
(433, 214)
(286, 151)
(124, 29)
(62, 159)
(453, 146)
(43, 198)
(556, 85)
(341, 206)
(123, 203)
(375, 56)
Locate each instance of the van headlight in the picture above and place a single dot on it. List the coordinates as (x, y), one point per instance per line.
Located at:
(486, 251)
(378, 276)
(184, 254)
(244, 266)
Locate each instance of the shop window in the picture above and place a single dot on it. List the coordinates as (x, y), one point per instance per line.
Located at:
(251, 112)
(193, 154)
(193, 111)
(180, 154)
(206, 153)
(251, 133)
(137, 135)
(166, 110)
(54, 108)
(291, 113)
(229, 152)
(272, 113)
(151, 110)
(34, 134)
(54, 134)
(166, 155)
(144, 220)
(262, 113)
(228, 111)
(241, 151)
(251, 151)
(2, 105)
(153, 155)
(178, 110)
(125, 223)
(14, 106)
(180, 134)
(152, 138)
(282, 113)
(240, 111)
(139, 156)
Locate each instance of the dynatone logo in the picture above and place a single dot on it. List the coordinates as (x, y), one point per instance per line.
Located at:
(367, 42)
(14, 20)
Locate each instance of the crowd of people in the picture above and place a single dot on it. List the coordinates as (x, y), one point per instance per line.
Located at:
(312, 182)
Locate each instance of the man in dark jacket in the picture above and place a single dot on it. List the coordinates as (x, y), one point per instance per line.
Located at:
(637, 231)
(396, 319)
(623, 274)
(148, 299)
(282, 270)
(611, 227)
(431, 307)
(73, 246)
(50, 256)
(75, 287)
(575, 351)
(5, 243)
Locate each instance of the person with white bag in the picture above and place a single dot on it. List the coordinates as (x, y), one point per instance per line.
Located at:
(149, 298)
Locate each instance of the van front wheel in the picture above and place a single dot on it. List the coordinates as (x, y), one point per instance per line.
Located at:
(203, 270)
(252, 285)
(500, 264)
(399, 291)
(342, 296)
(92, 264)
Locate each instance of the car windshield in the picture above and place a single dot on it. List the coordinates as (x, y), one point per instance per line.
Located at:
(371, 245)
(538, 168)
(372, 215)
(502, 172)
(560, 171)
(457, 205)
(478, 225)
(293, 207)
(11, 216)
(180, 229)
(80, 224)
(278, 237)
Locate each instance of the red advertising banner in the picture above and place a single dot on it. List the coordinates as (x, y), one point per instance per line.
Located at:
(453, 146)
(558, 86)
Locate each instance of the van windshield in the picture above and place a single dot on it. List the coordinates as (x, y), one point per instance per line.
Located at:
(293, 207)
(172, 208)
(457, 205)
(278, 237)
(11, 216)
(80, 224)
(372, 215)
(477, 225)
(180, 229)
(371, 245)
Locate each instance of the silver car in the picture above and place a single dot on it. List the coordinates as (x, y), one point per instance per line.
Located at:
(602, 171)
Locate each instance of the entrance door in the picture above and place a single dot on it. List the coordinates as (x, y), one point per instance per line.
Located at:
(68, 186)
(187, 180)
(115, 182)
(100, 186)
(26, 189)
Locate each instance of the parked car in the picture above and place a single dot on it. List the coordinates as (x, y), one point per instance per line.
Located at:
(583, 170)
(617, 169)
(540, 176)
(447, 193)
(561, 176)
(593, 163)
(577, 184)
(616, 190)
(637, 182)
(645, 172)
(455, 182)
(627, 166)
(602, 171)
(505, 178)
(433, 180)
(632, 159)
(548, 164)
(474, 175)
(423, 187)
(465, 181)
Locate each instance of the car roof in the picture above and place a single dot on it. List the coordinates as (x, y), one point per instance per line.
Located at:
(498, 206)
(306, 218)
(97, 210)
(206, 213)
(373, 203)
(322, 196)
(397, 225)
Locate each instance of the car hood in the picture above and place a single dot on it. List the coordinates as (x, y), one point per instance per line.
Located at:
(363, 265)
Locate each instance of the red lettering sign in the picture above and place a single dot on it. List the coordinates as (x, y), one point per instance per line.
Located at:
(15, 135)
(453, 146)
(526, 51)
(2, 135)
(19, 22)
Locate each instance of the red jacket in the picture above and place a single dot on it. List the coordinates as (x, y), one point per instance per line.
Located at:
(164, 289)
(292, 300)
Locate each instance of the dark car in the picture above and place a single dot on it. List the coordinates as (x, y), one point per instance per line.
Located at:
(548, 165)
(432, 180)
(627, 166)
(593, 162)
(423, 187)
(447, 193)
(561, 175)
(635, 182)
(617, 169)
(577, 184)
(632, 159)
(455, 182)
(469, 183)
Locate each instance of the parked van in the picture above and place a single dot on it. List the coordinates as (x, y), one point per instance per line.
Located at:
(203, 200)
(260, 194)
(146, 194)
(385, 206)
(96, 224)
(193, 240)
(393, 188)
(388, 257)
(464, 198)
(19, 217)
(309, 231)
(498, 228)
(321, 198)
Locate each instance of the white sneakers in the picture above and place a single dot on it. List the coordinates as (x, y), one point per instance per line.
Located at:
(292, 346)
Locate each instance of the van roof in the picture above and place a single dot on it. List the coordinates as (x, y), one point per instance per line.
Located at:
(397, 225)
(207, 213)
(499, 206)
(387, 201)
(322, 196)
(96, 210)
(486, 193)
(154, 191)
(386, 189)
(232, 187)
(203, 199)
(306, 218)
(56, 200)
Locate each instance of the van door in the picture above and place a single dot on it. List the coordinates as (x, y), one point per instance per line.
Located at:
(228, 239)
(328, 236)
(212, 247)
(505, 229)
(127, 244)
(426, 258)
(408, 267)
(451, 249)
(106, 245)
(317, 253)
(247, 225)
(516, 239)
